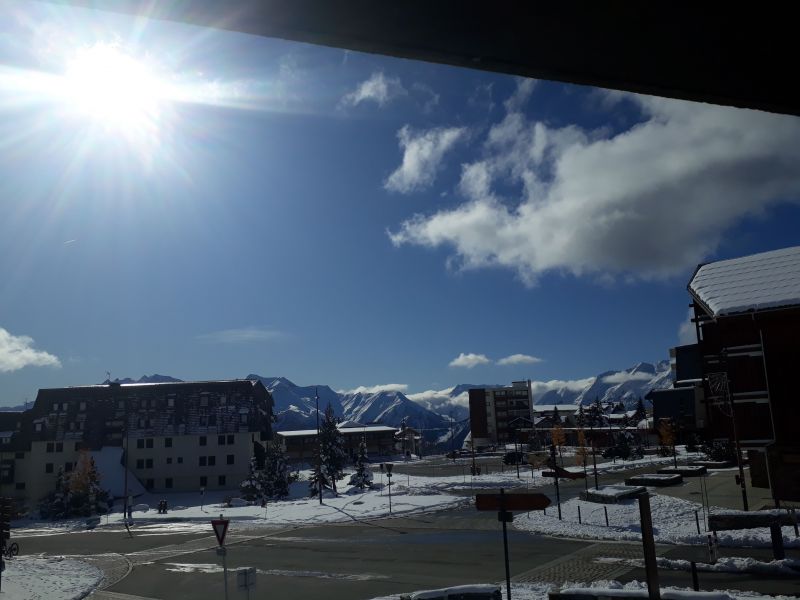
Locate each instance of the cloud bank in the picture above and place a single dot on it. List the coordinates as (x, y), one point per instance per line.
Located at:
(17, 352)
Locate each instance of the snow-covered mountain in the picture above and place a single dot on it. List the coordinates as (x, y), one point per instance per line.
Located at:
(295, 407)
(390, 408)
(625, 386)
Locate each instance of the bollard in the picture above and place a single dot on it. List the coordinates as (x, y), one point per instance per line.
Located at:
(605, 510)
(695, 579)
(579, 514)
(697, 521)
(777, 541)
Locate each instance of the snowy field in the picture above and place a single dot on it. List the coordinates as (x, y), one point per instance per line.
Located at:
(48, 578)
(633, 589)
(673, 523)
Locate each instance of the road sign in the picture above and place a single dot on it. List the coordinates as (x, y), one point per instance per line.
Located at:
(246, 578)
(523, 502)
(563, 473)
(220, 529)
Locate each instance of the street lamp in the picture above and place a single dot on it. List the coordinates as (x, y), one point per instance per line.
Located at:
(389, 475)
(319, 450)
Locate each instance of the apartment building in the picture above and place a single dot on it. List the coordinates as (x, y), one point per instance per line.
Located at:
(177, 436)
(498, 414)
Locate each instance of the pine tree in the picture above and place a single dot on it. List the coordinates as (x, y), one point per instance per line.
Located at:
(599, 413)
(277, 477)
(363, 476)
(556, 416)
(250, 488)
(580, 419)
(641, 413)
(333, 456)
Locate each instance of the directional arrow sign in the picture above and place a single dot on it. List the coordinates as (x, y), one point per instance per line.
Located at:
(519, 502)
(220, 529)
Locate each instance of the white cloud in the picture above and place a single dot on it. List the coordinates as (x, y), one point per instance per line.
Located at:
(439, 400)
(378, 88)
(687, 333)
(17, 352)
(427, 98)
(648, 202)
(573, 385)
(374, 389)
(521, 95)
(624, 376)
(469, 360)
(239, 336)
(519, 359)
(422, 154)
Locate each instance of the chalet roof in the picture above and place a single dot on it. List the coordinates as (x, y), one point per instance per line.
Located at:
(540, 408)
(749, 284)
(347, 430)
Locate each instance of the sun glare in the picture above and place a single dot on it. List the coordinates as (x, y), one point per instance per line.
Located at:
(114, 89)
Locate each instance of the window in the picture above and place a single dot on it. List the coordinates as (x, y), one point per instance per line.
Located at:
(204, 401)
(221, 480)
(37, 426)
(19, 455)
(140, 463)
(180, 460)
(231, 439)
(203, 440)
(212, 460)
(140, 443)
(50, 446)
(148, 464)
(67, 467)
(20, 485)
(167, 442)
(64, 406)
(55, 406)
(243, 418)
(221, 440)
(59, 446)
(171, 402)
(48, 468)
(203, 461)
(169, 460)
(168, 483)
(77, 446)
(121, 404)
(149, 483)
(148, 443)
(212, 419)
(203, 481)
(82, 406)
(229, 459)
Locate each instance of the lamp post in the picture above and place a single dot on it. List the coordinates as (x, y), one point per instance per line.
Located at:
(319, 450)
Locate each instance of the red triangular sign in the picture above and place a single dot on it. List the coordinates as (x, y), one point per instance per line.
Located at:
(220, 529)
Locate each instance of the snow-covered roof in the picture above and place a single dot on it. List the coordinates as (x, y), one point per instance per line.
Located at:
(751, 283)
(364, 429)
(550, 407)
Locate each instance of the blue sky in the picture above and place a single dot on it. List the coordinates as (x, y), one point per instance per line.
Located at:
(348, 219)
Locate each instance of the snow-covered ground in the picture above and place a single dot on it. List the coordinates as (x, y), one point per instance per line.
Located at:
(673, 523)
(633, 589)
(48, 578)
(186, 513)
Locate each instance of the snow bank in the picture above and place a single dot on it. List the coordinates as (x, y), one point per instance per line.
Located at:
(673, 523)
(50, 578)
(108, 461)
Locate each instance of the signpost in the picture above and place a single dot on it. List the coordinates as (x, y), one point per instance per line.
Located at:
(220, 527)
(389, 475)
(246, 579)
(504, 503)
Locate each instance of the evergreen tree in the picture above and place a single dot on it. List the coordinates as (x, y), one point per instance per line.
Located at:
(277, 477)
(250, 488)
(363, 476)
(599, 413)
(333, 456)
(556, 416)
(641, 413)
(580, 419)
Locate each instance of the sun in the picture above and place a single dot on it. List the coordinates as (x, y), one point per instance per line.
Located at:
(112, 88)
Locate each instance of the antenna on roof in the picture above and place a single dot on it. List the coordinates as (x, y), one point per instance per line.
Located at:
(108, 376)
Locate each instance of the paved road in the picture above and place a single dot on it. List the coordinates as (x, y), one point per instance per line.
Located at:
(364, 560)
